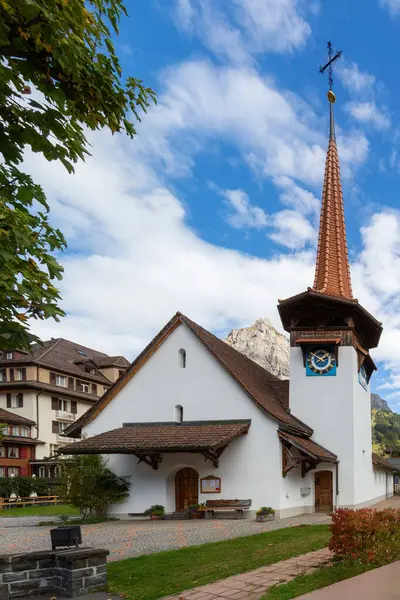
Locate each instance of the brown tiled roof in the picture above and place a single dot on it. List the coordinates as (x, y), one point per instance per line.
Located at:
(309, 447)
(11, 418)
(381, 463)
(161, 437)
(48, 387)
(332, 272)
(63, 355)
(267, 391)
(15, 439)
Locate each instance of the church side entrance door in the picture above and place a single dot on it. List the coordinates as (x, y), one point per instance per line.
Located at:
(324, 491)
(186, 488)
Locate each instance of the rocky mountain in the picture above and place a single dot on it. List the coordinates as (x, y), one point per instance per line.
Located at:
(379, 403)
(265, 345)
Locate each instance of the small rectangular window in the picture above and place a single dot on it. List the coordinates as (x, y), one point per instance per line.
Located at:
(61, 380)
(13, 452)
(85, 387)
(9, 355)
(2, 471)
(15, 430)
(13, 471)
(2, 452)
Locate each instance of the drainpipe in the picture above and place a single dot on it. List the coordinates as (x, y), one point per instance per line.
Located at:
(337, 483)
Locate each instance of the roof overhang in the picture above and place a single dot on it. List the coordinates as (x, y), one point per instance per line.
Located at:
(381, 464)
(148, 441)
(310, 299)
(310, 455)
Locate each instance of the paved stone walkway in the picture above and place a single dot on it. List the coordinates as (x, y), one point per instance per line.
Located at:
(253, 584)
(133, 538)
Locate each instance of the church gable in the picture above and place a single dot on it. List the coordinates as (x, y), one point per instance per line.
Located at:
(264, 389)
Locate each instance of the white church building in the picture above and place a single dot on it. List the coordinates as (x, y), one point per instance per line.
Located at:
(192, 419)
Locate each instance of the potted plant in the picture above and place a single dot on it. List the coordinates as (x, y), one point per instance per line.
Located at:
(155, 512)
(265, 513)
(194, 511)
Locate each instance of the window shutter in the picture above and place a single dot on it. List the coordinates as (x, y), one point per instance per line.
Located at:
(11, 374)
(74, 407)
(20, 399)
(94, 388)
(71, 383)
(23, 373)
(52, 377)
(23, 453)
(54, 427)
(54, 403)
(8, 400)
(79, 385)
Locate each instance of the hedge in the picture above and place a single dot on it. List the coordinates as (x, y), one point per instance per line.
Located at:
(368, 536)
(23, 486)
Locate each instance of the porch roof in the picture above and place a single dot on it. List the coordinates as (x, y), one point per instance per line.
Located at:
(145, 439)
(315, 451)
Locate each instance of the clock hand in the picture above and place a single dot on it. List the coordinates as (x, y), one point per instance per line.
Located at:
(320, 358)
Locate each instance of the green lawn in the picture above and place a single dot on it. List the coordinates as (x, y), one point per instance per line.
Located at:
(156, 575)
(314, 581)
(41, 511)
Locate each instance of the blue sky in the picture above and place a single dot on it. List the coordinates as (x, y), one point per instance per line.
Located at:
(213, 208)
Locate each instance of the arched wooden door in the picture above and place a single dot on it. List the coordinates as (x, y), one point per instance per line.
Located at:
(324, 491)
(186, 488)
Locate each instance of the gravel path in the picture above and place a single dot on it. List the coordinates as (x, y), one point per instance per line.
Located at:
(133, 538)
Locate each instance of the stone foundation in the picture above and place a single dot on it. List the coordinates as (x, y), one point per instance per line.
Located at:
(69, 573)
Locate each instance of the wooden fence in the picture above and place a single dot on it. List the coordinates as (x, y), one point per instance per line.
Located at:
(28, 501)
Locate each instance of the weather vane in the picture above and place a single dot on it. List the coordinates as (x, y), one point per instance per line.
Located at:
(329, 64)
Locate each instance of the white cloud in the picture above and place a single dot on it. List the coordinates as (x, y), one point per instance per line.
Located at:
(296, 197)
(393, 6)
(242, 213)
(239, 30)
(292, 230)
(354, 79)
(369, 113)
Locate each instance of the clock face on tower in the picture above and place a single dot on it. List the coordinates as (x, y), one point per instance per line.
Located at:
(320, 361)
(362, 377)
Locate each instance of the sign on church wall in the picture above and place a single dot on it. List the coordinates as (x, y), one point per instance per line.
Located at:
(210, 485)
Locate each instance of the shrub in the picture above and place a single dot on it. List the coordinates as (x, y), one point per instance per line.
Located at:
(265, 511)
(366, 535)
(23, 486)
(157, 510)
(88, 484)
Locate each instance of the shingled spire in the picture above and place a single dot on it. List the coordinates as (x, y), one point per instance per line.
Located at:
(332, 271)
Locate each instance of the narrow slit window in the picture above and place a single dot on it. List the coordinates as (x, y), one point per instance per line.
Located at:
(178, 413)
(182, 358)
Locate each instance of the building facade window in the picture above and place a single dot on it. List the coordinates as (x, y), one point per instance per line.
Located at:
(12, 471)
(53, 449)
(61, 380)
(2, 472)
(24, 431)
(12, 452)
(42, 471)
(14, 430)
(15, 400)
(20, 374)
(2, 452)
(178, 413)
(9, 355)
(85, 387)
(182, 358)
(3, 376)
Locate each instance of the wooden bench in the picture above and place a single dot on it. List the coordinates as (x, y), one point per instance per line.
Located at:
(239, 506)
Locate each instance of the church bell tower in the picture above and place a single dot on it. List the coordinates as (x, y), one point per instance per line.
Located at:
(331, 335)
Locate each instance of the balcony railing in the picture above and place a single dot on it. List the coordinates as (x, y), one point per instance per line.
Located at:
(63, 415)
(61, 439)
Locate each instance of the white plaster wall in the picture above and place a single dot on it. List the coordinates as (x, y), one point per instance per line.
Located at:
(251, 465)
(339, 410)
(291, 500)
(327, 405)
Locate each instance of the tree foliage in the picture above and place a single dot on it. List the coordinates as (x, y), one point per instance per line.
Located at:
(386, 432)
(23, 486)
(59, 74)
(88, 484)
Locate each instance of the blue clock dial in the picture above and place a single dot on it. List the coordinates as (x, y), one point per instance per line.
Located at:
(321, 361)
(362, 377)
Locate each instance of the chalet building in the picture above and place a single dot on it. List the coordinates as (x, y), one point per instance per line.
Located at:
(18, 446)
(192, 419)
(53, 385)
